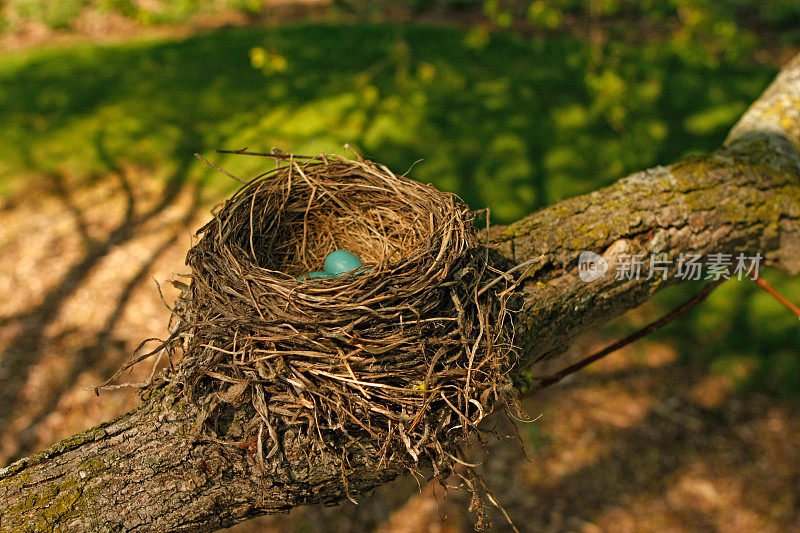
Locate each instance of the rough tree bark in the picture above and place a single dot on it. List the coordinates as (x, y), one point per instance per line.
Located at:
(146, 471)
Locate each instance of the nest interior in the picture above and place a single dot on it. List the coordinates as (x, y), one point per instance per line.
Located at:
(412, 351)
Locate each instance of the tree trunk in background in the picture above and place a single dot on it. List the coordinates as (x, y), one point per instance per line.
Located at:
(148, 471)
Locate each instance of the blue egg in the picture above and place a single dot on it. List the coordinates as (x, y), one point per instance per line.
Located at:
(341, 261)
(315, 275)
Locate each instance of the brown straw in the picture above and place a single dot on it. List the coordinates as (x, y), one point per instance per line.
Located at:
(411, 351)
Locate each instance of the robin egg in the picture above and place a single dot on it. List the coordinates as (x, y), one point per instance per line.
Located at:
(341, 261)
(315, 275)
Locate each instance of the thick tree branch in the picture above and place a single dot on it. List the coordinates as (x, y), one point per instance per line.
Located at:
(146, 471)
(743, 198)
(722, 203)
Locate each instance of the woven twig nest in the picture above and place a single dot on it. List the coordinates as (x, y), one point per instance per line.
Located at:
(410, 351)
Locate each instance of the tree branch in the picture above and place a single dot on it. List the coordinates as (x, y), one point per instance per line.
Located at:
(724, 203)
(148, 471)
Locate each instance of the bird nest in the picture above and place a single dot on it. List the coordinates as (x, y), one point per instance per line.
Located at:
(411, 351)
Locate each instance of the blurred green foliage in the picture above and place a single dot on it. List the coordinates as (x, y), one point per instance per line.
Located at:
(506, 119)
(726, 25)
(57, 15)
(511, 124)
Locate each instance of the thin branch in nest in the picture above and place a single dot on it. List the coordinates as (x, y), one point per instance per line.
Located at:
(212, 165)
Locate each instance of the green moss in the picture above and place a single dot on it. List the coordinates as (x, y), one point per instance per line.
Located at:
(29, 503)
(48, 493)
(67, 498)
(62, 506)
(92, 466)
(24, 479)
(745, 209)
